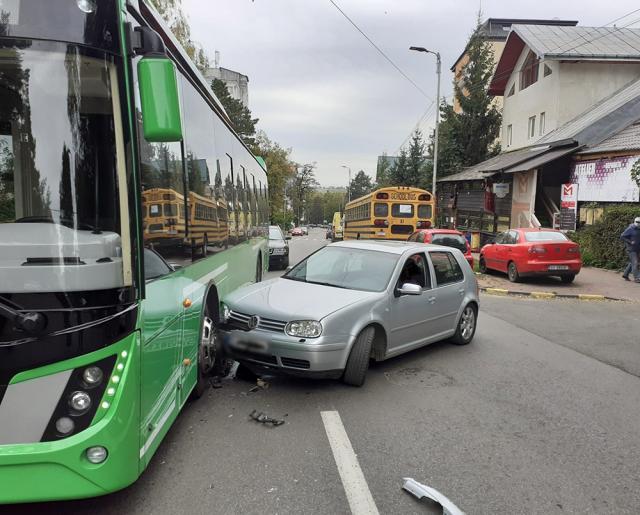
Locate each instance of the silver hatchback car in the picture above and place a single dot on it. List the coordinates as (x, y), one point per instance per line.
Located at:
(349, 302)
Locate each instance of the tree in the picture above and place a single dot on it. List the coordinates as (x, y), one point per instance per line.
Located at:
(469, 137)
(416, 160)
(303, 183)
(280, 171)
(398, 173)
(171, 12)
(316, 209)
(360, 185)
(382, 171)
(239, 114)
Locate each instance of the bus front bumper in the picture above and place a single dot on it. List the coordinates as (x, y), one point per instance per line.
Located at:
(56, 470)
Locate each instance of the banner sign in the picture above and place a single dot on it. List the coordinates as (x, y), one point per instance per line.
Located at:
(568, 206)
(501, 189)
(605, 180)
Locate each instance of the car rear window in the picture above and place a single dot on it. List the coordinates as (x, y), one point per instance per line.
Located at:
(544, 236)
(450, 240)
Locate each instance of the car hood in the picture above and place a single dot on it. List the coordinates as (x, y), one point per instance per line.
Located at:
(277, 244)
(284, 299)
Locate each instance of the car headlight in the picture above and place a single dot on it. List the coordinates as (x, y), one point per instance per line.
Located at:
(225, 312)
(304, 328)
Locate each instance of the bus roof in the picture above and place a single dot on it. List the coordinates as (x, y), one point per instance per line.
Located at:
(386, 189)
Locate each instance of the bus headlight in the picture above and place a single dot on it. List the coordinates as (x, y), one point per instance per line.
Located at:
(86, 6)
(80, 402)
(92, 376)
(304, 328)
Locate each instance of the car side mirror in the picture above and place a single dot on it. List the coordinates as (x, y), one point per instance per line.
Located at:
(289, 268)
(288, 237)
(410, 289)
(175, 266)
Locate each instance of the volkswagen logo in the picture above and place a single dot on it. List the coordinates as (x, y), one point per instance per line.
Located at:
(253, 322)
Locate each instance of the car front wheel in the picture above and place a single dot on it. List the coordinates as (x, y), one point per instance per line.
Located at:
(466, 326)
(358, 363)
(512, 272)
(482, 266)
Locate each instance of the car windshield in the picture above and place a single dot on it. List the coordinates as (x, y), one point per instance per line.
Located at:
(274, 233)
(545, 236)
(450, 240)
(342, 267)
(59, 193)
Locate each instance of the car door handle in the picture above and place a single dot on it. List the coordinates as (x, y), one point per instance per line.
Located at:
(461, 291)
(432, 300)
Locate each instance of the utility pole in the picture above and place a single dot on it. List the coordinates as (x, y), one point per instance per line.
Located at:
(349, 185)
(435, 143)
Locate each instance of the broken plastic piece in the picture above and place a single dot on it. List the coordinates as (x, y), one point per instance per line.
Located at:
(421, 491)
(263, 418)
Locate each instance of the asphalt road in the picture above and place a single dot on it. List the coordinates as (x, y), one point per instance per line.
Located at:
(539, 414)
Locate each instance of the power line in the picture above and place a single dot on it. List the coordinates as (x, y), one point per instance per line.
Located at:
(417, 125)
(380, 51)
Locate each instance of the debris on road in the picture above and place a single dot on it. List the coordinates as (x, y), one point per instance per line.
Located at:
(263, 418)
(421, 491)
(261, 384)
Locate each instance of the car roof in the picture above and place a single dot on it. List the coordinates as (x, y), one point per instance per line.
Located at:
(390, 247)
(532, 229)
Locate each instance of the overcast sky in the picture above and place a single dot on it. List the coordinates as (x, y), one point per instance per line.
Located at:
(319, 87)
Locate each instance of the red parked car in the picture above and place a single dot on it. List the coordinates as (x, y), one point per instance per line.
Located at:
(532, 252)
(297, 231)
(446, 237)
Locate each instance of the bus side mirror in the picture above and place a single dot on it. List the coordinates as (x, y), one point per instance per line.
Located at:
(159, 99)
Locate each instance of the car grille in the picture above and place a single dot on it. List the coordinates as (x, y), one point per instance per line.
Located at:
(254, 356)
(295, 363)
(240, 321)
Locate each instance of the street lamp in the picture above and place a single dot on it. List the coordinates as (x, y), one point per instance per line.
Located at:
(349, 186)
(435, 143)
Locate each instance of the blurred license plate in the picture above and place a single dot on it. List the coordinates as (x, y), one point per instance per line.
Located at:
(278, 251)
(558, 267)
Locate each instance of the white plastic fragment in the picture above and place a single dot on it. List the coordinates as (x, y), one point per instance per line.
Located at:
(421, 491)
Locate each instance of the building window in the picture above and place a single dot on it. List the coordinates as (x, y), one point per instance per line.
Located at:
(512, 90)
(547, 70)
(529, 73)
(532, 127)
(509, 135)
(541, 128)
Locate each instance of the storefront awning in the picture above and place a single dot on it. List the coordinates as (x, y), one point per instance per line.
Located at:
(541, 159)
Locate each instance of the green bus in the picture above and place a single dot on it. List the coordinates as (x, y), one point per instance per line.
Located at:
(129, 208)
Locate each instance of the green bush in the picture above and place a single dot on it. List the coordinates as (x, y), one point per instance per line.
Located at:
(600, 243)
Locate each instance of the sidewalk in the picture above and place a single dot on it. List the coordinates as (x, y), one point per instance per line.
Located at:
(590, 281)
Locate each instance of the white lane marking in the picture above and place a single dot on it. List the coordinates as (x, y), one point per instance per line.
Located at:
(353, 480)
(159, 426)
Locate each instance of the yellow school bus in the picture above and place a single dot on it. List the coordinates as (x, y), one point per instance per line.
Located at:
(391, 213)
(163, 217)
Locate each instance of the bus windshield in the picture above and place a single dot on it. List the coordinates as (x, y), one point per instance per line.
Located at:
(59, 195)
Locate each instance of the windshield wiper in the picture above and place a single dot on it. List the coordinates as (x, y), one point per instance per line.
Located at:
(327, 284)
(30, 322)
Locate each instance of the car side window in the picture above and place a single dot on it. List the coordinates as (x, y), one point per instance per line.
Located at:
(414, 237)
(446, 268)
(421, 237)
(500, 239)
(513, 237)
(415, 271)
(154, 265)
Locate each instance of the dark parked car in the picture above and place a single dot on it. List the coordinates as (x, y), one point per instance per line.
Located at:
(278, 248)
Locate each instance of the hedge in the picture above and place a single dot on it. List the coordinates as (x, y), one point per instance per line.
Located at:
(600, 243)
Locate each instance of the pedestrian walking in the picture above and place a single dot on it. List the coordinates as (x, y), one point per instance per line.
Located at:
(631, 238)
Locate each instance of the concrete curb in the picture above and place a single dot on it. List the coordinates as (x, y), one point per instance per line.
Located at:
(548, 295)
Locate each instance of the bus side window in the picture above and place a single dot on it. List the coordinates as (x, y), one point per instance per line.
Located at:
(203, 234)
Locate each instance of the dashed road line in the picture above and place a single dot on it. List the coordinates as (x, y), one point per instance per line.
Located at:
(353, 480)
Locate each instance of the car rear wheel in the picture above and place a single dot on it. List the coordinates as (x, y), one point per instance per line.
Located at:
(466, 326)
(512, 272)
(358, 362)
(482, 266)
(567, 279)
(259, 270)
